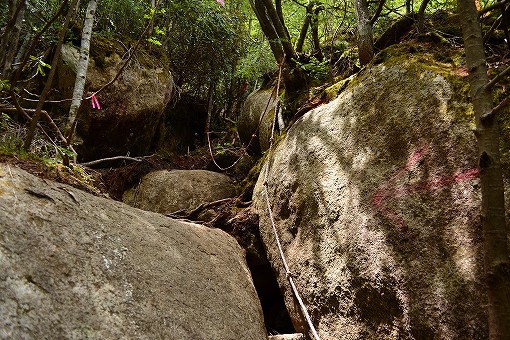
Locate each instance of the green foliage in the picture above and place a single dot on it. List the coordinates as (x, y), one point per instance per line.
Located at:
(4, 84)
(257, 61)
(40, 64)
(315, 68)
(122, 17)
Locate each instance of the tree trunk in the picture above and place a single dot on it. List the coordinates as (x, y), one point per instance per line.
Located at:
(268, 29)
(49, 80)
(279, 40)
(210, 106)
(420, 21)
(365, 35)
(83, 63)
(280, 29)
(10, 38)
(304, 29)
(314, 23)
(409, 9)
(496, 260)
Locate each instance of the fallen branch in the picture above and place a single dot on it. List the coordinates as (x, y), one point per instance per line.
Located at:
(116, 158)
(192, 214)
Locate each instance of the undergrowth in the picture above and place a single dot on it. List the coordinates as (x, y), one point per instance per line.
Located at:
(43, 156)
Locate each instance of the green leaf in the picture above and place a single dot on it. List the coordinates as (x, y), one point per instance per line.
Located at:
(41, 70)
(44, 64)
(66, 151)
(154, 41)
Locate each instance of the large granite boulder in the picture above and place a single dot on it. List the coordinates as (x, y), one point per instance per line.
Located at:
(167, 191)
(260, 103)
(131, 115)
(76, 266)
(377, 201)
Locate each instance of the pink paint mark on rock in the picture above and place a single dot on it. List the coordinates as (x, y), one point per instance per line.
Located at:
(391, 190)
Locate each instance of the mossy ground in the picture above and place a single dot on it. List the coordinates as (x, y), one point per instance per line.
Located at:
(76, 176)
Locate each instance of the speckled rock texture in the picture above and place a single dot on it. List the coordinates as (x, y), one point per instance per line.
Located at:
(76, 266)
(167, 191)
(131, 113)
(376, 200)
(255, 105)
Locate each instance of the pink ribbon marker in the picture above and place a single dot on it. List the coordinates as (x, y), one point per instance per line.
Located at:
(95, 103)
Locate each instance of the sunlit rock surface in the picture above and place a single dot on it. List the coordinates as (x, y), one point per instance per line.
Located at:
(166, 191)
(76, 266)
(376, 201)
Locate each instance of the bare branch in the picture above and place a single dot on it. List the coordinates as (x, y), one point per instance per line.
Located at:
(497, 78)
(377, 12)
(492, 28)
(491, 7)
(504, 103)
(116, 158)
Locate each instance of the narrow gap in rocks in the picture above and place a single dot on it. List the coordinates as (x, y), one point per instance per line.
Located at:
(243, 225)
(276, 316)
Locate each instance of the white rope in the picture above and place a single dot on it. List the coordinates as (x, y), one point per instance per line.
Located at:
(288, 274)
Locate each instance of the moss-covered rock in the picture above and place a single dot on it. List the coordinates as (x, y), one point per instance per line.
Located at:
(261, 103)
(131, 108)
(376, 201)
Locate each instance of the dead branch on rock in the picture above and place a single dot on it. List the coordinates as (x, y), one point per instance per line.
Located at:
(116, 158)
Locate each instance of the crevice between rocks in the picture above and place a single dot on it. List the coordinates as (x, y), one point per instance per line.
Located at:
(243, 225)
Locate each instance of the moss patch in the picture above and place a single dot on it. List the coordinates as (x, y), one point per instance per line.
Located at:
(75, 176)
(250, 180)
(102, 47)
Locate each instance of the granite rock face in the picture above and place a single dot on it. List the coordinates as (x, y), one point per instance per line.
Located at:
(76, 266)
(376, 201)
(261, 103)
(166, 191)
(131, 115)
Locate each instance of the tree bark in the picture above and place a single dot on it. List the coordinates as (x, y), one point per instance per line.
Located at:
(304, 29)
(496, 260)
(47, 86)
(81, 71)
(10, 38)
(365, 35)
(420, 21)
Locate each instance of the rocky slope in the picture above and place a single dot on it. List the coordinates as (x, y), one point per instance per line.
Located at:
(77, 266)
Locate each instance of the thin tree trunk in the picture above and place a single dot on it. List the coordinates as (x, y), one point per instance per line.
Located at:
(49, 80)
(280, 30)
(210, 106)
(151, 28)
(365, 35)
(378, 12)
(496, 260)
(268, 29)
(10, 38)
(504, 22)
(23, 49)
(304, 29)
(81, 71)
(279, 11)
(314, 23)
(408, 7)
(420, 21)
